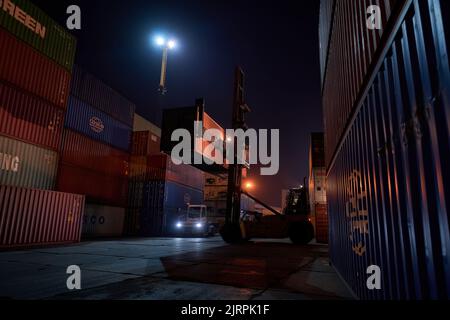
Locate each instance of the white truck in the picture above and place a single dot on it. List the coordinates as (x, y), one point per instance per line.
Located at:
(199, 220)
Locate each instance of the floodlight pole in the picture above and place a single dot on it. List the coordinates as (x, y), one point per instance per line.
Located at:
(162, 82)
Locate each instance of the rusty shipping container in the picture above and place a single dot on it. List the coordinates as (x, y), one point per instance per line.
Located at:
(26, 165)
(94, 92)
(27, 69)
(30, 119)
(38, 217)
(80, 151)
(388, 184)
(145, 143)
(102, 221)
(98, 188)
(97, 125)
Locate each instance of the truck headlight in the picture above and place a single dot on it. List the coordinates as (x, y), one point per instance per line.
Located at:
(179, 225)
(199, 225)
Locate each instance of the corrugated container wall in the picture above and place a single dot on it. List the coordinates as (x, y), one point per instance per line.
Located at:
(145, 143)
(37, 217)
(33, 26)
(144, 170)
(30, 119)
(164, 203)
(97, 187)
(353, 48)
(97, 125)
(25, 68)
(25, 165)
(161, 167)
(94, 92)
(388, 181)
(102, 221)
(142, 124)
(80, 151)
(326, 18)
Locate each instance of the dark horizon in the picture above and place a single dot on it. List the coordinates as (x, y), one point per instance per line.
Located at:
(275, 44)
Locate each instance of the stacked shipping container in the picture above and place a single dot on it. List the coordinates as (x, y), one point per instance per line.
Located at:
(145, 142)
(36, 57)
(159, 191)
(189, 119)
(317, 187)
(95, 152)
(387, 142)
(215, 195)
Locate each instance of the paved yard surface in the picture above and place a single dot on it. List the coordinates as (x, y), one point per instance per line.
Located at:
(172, 268)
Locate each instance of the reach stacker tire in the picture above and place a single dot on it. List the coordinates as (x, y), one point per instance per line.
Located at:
(231, 234)
(301, 232)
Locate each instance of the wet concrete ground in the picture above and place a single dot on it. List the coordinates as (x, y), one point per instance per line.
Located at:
(173, 269)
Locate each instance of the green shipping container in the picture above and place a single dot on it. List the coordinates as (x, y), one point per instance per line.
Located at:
(30, 24)
(25, 165)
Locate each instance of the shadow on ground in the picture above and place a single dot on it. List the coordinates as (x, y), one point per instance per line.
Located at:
(255, 270)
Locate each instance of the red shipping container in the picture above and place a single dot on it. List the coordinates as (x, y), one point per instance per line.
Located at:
(145, 143)
(161, 167)
(321, 223)
(98, 188)
(81, 151)
(24, 67)
(210, 123)
(38, 217)
(30, 119)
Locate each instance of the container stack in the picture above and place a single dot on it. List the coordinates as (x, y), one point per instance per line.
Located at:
(95, 152)
(159, 190)
(36, 59)
(159, 193)
(386, 117)
(215, 194)
(317, 187)
(146, 141)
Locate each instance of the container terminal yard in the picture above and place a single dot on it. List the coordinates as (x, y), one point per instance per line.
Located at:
(206, 151)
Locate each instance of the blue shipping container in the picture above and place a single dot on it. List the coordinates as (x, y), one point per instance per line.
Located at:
(163, 203)
(88, 88)
(97, 125)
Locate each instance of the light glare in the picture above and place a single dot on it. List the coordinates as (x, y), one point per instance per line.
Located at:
(171, 44)
(160, 41)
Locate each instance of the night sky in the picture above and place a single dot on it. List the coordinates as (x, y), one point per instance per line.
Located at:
(276, 43)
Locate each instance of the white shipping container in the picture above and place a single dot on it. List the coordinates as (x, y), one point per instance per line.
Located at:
(102, 221)
(318, 194)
